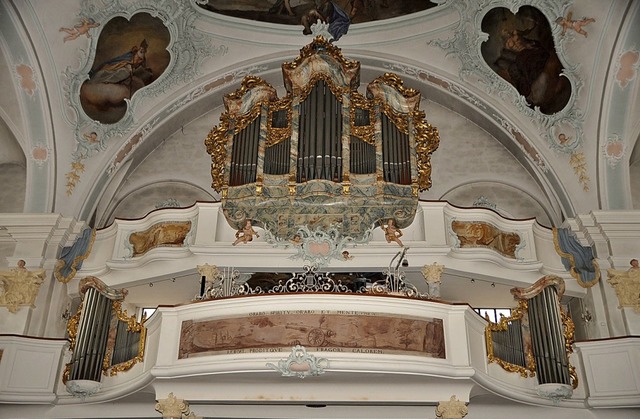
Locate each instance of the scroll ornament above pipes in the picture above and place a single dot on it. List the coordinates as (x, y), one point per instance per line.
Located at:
(324, 156)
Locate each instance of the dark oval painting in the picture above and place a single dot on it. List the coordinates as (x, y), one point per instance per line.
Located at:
(305, 12)
(520, 49)
(130, 55)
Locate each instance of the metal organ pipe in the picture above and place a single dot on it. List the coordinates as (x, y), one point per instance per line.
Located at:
(548, 339)
(244, 155)
(91, 338)
(320, 136)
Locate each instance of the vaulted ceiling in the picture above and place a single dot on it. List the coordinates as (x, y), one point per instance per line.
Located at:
(495, 150)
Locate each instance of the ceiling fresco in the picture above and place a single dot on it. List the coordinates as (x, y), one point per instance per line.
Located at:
(520, 49)
(129, 55)
(303, 12)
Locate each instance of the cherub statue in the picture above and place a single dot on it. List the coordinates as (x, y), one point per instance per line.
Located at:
(568, 23)
(391, 232)
(80, 29)
(246, 234)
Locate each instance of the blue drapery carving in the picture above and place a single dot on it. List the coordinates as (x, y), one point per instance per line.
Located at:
(71, 257)
(577, 259)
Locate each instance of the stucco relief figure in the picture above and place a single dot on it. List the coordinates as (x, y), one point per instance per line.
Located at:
(79, 29)
(391, 232)
(478, 234)
(627, 285)
(20, 286)
(159, 235)
(245, 235)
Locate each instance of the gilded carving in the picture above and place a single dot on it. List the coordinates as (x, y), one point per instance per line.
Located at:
(297, 72)
(276, 135)
(627, 286)
(20, 286)
(216, 143)
(519, 313)
(161, 234)
(133, 326)
(364, 132)
(480, 234)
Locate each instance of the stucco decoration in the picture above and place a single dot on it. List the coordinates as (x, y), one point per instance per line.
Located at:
(172, 407)
(300, 364)
(433, 276)
(319, 245)
(166, 234)
(26, 78)
(187, 49)
(479, 234)
(466, 45)
(19, 287)
(577, 259)
(627, 286)
(627, 67)
(452, 409)
(614, 150)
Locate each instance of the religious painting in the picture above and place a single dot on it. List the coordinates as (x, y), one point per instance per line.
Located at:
(521, 50)
(130, 54)
(317, 330)
(340, 13)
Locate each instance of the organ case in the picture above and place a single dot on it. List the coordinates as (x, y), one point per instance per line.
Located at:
(324, 155)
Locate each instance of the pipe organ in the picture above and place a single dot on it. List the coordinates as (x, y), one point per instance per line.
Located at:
(103, 339)
(536, 339)
(324, 155)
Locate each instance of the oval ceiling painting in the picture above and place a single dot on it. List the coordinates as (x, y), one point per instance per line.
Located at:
(307, 12)
(130, 55)
(520, 49)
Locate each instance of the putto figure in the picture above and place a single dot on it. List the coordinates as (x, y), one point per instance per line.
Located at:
(246, 234)
(568, 23)
(391, 232)
(79, 29)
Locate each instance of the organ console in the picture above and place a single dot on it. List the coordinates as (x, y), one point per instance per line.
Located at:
(324, 155)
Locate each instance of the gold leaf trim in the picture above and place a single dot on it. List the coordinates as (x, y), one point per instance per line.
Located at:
(501, 326)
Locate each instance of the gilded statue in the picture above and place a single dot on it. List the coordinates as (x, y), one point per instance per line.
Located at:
(20, 286)
(627, 285)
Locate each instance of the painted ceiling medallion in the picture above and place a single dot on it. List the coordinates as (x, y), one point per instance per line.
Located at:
(324, 157)
(520, 49)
